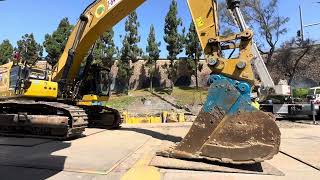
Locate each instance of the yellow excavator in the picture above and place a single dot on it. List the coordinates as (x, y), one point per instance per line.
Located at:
(60, 104)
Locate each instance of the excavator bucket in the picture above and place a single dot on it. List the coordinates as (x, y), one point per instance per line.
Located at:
(229, 129)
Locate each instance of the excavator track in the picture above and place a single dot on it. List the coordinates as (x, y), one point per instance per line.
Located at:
(54, 120)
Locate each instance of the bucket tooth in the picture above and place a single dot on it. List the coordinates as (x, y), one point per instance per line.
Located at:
(229, 129)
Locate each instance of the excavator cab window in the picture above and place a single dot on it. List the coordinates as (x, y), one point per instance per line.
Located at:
(18, 75)
(37, 74)
(103, 81)
(97, 81)
(14, 76)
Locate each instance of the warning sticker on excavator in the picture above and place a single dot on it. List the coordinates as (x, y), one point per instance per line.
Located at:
(199, 22)
(112, 3)
(100, 10)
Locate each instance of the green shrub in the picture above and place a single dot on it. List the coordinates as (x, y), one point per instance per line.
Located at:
(300, 92)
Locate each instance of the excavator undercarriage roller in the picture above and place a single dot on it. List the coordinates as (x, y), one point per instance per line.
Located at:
(229, 129)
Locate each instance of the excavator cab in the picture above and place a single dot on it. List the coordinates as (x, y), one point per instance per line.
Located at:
(97, 81)
(94, 92)
(26, 81)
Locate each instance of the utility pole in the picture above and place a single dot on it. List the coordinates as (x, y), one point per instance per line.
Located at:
(301, 24)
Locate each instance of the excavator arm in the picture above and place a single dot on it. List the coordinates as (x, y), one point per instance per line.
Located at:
(205, 17)
(97, 18)
(229, 128)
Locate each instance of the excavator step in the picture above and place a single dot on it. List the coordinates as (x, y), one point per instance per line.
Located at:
(229, 129)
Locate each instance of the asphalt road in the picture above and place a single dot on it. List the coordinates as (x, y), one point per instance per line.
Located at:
(121, 153)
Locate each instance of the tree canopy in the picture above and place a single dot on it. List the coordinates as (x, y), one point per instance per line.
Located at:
(193, 51)
(294, 58)
(153, 52)
(264, 19)
(153, 47)
(6, 51)
(173, 39)
(130, 51)
(55, 43)
(29, 49)
(105, 49)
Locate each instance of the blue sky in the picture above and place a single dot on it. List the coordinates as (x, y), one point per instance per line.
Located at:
(19, 17)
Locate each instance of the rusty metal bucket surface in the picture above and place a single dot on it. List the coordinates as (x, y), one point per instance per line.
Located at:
(229, 129)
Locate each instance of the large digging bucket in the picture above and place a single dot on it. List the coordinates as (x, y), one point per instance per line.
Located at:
(229, 129)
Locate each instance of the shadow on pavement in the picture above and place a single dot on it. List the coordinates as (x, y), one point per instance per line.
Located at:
(247, 167)
(36, 162)
(154, 134)
(263, 168)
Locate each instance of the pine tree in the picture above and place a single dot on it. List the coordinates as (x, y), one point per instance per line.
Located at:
(153, 54)
(173, 39)
(105, 50)
(55, 43)
(124, 67)
(6, 50)
(132, 37)
(29, 49)
(130, 51)
(193, 51)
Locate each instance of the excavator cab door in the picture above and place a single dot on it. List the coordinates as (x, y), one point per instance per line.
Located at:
(97, 81)
(18, 76)
(103, 81)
